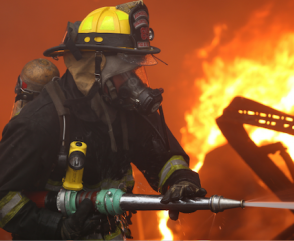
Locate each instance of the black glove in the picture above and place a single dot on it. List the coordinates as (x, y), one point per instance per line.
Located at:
(81, 223)
(180, 191)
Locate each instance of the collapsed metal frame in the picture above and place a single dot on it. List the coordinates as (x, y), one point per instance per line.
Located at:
(245, 111)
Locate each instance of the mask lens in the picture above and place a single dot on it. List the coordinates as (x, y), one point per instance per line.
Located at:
(140, 73)
(118, 80)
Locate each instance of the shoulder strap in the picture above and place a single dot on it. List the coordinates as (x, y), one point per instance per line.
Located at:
(58, 98)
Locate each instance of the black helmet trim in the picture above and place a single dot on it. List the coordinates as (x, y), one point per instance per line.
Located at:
(59, 50)
(70, 36)
(107, 39)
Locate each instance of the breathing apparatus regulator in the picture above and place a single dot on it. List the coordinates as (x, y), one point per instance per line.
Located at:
(133, 92)
(122, 35)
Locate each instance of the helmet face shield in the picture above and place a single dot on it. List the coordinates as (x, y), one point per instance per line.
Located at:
(141, 60)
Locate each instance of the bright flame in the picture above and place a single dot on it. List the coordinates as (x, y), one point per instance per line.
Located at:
(165, 231)
(258, 63)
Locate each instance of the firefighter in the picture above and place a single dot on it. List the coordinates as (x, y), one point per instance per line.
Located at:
(105, 101)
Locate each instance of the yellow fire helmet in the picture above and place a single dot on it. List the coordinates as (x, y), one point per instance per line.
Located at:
(120, 29)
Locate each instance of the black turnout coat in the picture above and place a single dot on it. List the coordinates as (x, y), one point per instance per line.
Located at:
(31, 142)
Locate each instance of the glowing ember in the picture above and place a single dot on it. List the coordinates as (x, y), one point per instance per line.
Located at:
(165, 231)
(258, 63)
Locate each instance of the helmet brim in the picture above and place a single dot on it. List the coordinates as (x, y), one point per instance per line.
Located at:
(59, 50)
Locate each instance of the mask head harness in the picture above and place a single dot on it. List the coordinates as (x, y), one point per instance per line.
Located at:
(98, 61)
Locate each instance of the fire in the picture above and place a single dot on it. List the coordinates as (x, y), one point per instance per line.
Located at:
(258, 63)
(165, 231)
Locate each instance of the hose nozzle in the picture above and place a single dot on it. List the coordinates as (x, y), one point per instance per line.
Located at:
(219, 203)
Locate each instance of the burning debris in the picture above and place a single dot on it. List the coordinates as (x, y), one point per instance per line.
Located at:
(258, 64)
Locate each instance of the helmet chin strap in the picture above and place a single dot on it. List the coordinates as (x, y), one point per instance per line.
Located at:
(98, 61)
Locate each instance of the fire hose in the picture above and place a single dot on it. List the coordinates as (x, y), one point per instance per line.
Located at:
(115, 202)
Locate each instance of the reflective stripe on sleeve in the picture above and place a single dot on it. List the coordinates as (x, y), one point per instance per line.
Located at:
(10, 205)
(173, 164)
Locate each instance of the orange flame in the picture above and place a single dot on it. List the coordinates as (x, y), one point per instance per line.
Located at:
(258, 63)
(165, 231)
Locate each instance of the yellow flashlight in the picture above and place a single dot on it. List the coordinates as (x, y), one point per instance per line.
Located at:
(76, 160)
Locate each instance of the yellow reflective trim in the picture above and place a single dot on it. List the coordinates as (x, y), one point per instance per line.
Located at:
(14, 210)
(171, 159)
(173, 168)
(98, 39)
(107, 24)
(122, 15)
(88, 23)
(6, 199)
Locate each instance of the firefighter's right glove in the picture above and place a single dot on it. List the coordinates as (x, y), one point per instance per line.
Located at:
(180, 191)
(80, 223)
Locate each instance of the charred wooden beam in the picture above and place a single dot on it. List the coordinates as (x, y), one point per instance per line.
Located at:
(244, 111)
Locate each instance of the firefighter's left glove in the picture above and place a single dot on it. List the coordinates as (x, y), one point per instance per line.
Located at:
(80, 223)
(180, 191)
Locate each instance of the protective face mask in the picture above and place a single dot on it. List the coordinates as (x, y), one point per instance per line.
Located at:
(134, 92)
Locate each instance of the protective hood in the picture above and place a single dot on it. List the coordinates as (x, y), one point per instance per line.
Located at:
(83, 71)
